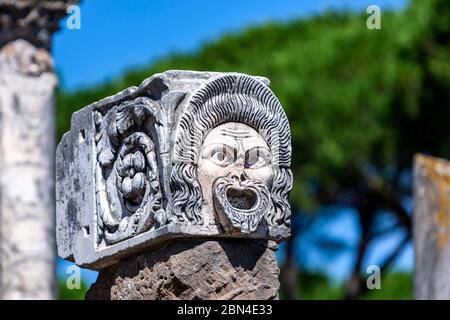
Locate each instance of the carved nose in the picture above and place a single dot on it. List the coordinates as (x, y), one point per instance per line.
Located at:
(240, 176)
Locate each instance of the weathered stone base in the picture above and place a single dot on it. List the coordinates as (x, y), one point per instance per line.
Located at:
(194, 269)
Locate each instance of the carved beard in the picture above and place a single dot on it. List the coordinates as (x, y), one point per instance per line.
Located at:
(240, 203)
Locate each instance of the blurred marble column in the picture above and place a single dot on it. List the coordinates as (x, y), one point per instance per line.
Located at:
(27, 141)
(431, 228)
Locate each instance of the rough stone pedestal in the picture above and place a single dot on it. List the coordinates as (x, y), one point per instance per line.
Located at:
(201, 269)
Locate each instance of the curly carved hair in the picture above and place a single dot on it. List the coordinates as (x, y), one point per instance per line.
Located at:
(230, 98)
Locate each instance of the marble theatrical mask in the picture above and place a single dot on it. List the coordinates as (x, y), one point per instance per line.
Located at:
(235, 175)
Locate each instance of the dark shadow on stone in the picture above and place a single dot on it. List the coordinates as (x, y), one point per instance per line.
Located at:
(244, 253)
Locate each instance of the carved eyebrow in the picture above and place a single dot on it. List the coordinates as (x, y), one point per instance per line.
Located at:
(236, 133)
(217, 146)
(258, 149)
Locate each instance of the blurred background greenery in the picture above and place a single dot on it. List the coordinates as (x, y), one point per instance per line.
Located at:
(360, 102)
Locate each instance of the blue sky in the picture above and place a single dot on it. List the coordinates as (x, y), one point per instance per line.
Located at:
(116, 36)
(341, 223)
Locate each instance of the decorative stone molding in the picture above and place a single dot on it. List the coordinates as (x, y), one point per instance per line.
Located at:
(186, 154)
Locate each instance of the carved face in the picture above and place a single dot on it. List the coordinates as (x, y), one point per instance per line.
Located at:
(235, 174)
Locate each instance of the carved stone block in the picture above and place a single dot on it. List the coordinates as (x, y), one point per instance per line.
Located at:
(186, 154)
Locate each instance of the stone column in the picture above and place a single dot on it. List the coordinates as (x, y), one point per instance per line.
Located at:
(178, 188)
(431, 228)
(27, 143)
(195, 269)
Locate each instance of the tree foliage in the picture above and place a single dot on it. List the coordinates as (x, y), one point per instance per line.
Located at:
(357, 99)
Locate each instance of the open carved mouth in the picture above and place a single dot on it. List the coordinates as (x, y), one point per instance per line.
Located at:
(242, 199)
(240, 204)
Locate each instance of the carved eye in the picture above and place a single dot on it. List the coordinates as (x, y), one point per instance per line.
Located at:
(257, 157)
(221, 155)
